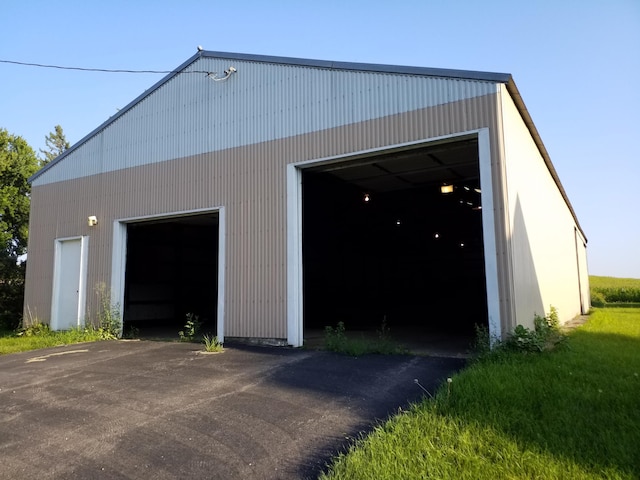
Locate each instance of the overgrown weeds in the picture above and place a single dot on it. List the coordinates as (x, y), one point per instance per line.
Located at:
(545, 335)
(191, 328)
(109, 319)
(337, 340)
(33, 329)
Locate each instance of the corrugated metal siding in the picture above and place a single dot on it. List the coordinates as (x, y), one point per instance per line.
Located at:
(249, 181)
(191, 114)
(542, 229)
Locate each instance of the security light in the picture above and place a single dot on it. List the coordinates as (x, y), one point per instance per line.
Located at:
(227, 73)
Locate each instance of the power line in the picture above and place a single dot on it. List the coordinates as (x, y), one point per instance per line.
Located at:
(104, 70)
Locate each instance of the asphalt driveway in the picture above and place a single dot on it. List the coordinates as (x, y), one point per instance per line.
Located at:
(142, 409)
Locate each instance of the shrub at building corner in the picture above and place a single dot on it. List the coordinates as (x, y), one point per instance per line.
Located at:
(18, 162)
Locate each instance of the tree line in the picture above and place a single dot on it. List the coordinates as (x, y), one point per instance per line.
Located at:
(18, 162)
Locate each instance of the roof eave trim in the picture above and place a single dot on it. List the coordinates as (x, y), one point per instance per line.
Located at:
(363, 67)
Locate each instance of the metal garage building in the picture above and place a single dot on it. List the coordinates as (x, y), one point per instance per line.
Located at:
(271, 196)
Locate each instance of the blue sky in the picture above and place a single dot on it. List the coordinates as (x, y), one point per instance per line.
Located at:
(576, 64)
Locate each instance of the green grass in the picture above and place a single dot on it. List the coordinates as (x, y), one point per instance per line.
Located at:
(573, 412)
(610, 291)
(11, 343)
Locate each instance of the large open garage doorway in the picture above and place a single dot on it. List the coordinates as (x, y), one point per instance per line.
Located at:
(396, 239)
(171, 272)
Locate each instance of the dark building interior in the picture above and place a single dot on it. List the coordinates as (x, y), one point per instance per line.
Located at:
(171, 271)
(381, 241)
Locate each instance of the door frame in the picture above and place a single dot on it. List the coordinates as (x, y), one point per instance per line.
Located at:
(119, 257)
(57, 279)
(295, 300)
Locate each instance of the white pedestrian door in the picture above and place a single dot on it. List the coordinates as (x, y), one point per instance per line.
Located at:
(68, 287)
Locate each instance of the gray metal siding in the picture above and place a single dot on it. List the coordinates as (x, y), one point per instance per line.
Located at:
(191, 114)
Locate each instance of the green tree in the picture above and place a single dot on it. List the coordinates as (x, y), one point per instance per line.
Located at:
(56, 144)
(18, 162)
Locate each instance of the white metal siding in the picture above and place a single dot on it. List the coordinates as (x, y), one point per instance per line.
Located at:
(542, 228)
(192, 114)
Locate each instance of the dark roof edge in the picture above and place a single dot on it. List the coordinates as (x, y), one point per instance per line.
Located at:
(364, 67)
(361, 67)
(517, 99)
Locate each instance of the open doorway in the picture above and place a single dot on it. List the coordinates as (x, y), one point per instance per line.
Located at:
(171, 271)
(383, 241)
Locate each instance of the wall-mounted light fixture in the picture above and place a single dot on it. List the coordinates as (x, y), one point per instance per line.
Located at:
(227, 73)
(446, 189)
(92, 220)
(366, 198)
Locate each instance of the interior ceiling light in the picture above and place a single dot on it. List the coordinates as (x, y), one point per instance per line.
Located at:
(366, 198)
(436, 235)
(461, 244)
(477, 190)
(466, 188)
(398, 222)
(446, 189)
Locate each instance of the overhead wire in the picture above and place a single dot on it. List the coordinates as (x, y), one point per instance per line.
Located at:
(102, 70)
